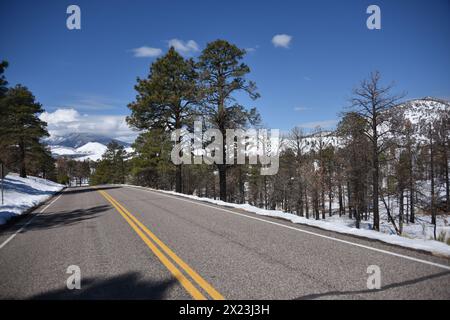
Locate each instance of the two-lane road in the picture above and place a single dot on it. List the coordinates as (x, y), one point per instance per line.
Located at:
(133, 243)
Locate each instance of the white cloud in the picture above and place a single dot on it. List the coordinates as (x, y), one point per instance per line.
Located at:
(145, 52)
(324, 124)
(60, 116)
(183, 47)
(301, 109)
(65, 121)
(89, 102)
(282, 40)
(252, 49)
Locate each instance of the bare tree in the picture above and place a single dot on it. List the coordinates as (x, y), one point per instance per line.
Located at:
(372, 102)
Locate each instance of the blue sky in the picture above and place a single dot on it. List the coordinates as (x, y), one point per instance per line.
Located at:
(308, 82)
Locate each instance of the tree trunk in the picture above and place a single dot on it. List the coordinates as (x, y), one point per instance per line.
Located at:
(322, 204)
(23, 169)
(223, 182)
(178, 179)
(241, 186)
(401, 211)
(447, 182)
(330, 196)
(376, 176)
(316, 205)
(349, 203)
(265, 193)
(433, 209)
(306, 204)
(412, 217)
(300, 199)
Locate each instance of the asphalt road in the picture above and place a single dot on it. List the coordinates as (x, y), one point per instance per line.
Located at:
(133, 243)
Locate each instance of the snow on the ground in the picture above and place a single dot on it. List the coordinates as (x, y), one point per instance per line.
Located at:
(20, 194)
(415, 236)
(92, 150)
(63, 151)
(89, 151)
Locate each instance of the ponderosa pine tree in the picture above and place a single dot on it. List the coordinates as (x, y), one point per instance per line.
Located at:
(112, 168)
(21, 127)
(222, 74)
(3, 125)
(167, 98)
(3, 82)
(151, 165)
(352, 130)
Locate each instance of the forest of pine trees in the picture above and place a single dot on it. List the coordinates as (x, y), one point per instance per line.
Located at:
(374, 159)
(371, 161)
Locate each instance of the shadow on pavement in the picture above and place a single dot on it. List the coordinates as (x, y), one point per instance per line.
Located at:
(126, 286)
(368, 291)
(65, 218)
(75, 190)
(53, 219)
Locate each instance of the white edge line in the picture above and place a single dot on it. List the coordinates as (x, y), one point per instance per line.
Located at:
(300, 230)
(28, 222)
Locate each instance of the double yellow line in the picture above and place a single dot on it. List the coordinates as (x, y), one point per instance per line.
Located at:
(163, 253)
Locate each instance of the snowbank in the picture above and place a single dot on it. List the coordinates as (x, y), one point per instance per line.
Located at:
(432, 246)
(21, 194)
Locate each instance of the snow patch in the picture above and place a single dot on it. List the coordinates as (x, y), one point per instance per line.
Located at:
(21, 194)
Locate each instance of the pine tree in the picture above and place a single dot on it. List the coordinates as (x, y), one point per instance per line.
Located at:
(21, 128)
(352, 130)
(151, 165)
(3, 82)
(3, 124)
(222, 74)
(167, 98)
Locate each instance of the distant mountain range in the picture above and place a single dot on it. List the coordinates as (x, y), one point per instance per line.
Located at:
(82, 146)
(418, 111)
(76, 140)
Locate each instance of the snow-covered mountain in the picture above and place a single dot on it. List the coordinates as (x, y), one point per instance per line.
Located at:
(421, 113)
(418, 111)
(89, 151)
(82, 146)
(424, 110)
(76, 140)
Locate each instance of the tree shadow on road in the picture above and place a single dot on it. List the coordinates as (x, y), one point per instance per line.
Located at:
(124, 287)
(58, 219)
(369, 291)
(76, 190)
(66, 218)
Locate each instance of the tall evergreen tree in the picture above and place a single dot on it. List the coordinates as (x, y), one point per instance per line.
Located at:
(222, 74)
(112, 168)
(3, 82)
(151, 165)
(21, 128)
(167, 98)
(3, 89)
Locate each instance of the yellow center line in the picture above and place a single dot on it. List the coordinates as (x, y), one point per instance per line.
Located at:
(133, 221)
(190, 288)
